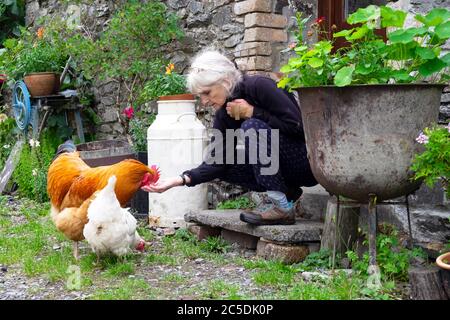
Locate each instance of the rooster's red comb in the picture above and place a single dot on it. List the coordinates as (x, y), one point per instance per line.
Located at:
(155, 174)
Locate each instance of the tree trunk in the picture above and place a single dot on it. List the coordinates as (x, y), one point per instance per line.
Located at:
(426, 284)
(347, 226)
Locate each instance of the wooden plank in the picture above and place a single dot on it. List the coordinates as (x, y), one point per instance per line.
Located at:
(10, 164)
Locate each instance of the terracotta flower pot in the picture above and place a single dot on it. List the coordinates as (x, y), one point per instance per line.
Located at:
(42, 83)
(185, 96)
(443, 261)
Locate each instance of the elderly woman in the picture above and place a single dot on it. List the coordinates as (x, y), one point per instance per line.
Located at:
(261, 110)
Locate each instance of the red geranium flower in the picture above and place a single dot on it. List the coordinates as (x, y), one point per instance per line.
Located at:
(129, 112)
(320, 20)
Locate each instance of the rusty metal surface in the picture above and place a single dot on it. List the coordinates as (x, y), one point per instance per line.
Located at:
(361, 139)
(105, 152)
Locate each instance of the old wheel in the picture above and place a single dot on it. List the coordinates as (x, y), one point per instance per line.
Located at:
(21, 105)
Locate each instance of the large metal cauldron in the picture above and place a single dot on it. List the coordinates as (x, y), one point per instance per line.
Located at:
(361, 139)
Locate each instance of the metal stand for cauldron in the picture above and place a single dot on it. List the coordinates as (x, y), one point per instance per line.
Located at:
(372, 224)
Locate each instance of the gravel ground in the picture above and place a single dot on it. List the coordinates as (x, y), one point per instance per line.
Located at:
(198, 275)
(192, 278)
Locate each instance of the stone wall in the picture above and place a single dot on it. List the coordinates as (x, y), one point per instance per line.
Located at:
(251, 32)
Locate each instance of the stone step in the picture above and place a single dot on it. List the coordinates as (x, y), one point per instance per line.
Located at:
(300, 232)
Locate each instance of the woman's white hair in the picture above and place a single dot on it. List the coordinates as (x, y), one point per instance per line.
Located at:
(209, 68)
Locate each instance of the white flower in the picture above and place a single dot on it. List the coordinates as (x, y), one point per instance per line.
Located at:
(34, 172)
(34, 143)
(6, 146)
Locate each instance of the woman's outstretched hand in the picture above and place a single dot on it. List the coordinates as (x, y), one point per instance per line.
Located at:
(163, 185)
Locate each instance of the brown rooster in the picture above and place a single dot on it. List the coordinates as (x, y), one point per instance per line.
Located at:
(72, 185)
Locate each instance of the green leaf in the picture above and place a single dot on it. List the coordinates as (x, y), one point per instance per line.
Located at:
(364, 14)
(343, 33)
(315, 62)
(401, 75)
(392, 18)
(405, 36)
(300, 48)
(434, 17)
(400, 51)
(286, 68)
(446, 59)
(443, 30)
(324, 46)
(431, 66)
(363, 69)
(344, 76)
(425, 53)
(359, 33)
(283, 82)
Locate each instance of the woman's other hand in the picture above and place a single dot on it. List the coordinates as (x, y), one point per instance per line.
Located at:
(163, 184)
(239, 109)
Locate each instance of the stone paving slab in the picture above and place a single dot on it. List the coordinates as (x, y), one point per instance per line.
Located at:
(302, 231)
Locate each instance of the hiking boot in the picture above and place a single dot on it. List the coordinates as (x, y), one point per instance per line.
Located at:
(266, 213)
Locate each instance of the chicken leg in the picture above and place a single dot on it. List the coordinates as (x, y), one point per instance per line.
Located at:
(75, 250)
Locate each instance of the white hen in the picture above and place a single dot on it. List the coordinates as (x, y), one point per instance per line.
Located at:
(111, 228)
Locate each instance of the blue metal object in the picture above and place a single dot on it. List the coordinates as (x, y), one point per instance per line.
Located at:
(27, 110)
(21, 105)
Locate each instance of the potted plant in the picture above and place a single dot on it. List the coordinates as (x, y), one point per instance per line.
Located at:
(363, 105)
(443, 261)
(168, 85)
(37, 59)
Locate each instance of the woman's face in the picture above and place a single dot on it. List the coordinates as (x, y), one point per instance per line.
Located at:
(214, 96)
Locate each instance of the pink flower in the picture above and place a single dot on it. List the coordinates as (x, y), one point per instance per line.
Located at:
(129, 112)
(422, 139)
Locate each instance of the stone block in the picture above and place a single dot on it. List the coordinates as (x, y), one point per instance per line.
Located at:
(265, 34)
(253, 49)
(445, 98)
(300, 232)
(247, 6)
(263, 63)
(258, 19)
(203, 232)
(242, 239)
(286, 253)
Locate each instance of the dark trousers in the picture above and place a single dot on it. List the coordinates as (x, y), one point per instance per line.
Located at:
(294, 169)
